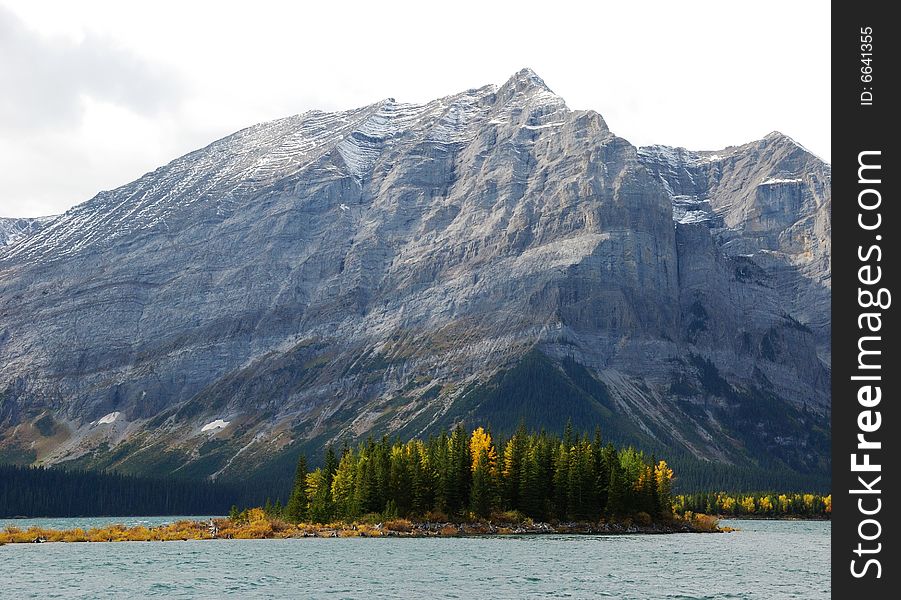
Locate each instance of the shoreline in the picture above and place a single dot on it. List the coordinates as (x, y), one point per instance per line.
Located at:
(275, 529)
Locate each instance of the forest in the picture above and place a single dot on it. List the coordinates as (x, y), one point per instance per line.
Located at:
(56, 492)
(458, 475)
(756, 504)
(452, 476)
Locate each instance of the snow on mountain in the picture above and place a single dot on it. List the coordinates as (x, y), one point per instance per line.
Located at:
(487, 256)
(14, 229)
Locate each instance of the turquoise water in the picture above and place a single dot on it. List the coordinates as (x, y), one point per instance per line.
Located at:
(766, 560)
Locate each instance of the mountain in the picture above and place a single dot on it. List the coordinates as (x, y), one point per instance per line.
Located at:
(490, 256)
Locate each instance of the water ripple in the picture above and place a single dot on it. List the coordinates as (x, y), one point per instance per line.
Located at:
(767, 559)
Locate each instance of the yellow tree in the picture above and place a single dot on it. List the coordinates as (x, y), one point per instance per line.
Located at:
(808, 503)
(727, 504)
(784, 504)
(481, 441)
(664, 476)
(484, 469)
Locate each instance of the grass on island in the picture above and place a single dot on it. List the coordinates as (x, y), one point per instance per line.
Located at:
(254, 523)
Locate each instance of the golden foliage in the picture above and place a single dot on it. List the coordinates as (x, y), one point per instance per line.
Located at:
(764, 504)
(399, 525)
(664, 475)
(481, 442)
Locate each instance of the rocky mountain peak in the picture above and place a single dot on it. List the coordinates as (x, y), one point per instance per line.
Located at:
(526, 78)
(485, 257)
(525, 87)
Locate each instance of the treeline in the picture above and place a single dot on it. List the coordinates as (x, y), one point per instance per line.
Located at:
(56, 492)
(758, 504)
(542, 476)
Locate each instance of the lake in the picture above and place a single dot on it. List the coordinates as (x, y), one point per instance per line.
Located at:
(766, 560)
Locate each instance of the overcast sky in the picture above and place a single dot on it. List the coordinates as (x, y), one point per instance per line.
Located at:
(94, 94)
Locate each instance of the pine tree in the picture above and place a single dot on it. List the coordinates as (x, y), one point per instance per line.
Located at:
(602, 485)
(568, 436)
(331, 463)
(617, 491)
(530, 489)
(481, 497)
(320, 495)
(365, 497)
(423, 480)
(382, 473)
(561, 481)
(514, 451)
(439, 450)
(343, 484)
(400, 481)
(296, 509)
(458, 471)
(581, 483)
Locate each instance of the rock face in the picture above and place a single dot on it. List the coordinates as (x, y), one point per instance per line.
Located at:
(13, 229)
(488, 256)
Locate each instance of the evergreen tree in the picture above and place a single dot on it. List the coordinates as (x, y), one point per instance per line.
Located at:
(602, 486)
(382, 474)
(343, 484)
(439, 451)
(400, 481)
(296, 509)
(331, 463)
(531, 494)
(514, 451)
(561, 481)
(365, 496)
(320, 494)
(568, 436)
(482, 493)
(459, 471)
(581, 481)
(423, 479)
(617, 491)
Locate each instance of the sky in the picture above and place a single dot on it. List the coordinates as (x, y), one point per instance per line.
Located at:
(93, 94)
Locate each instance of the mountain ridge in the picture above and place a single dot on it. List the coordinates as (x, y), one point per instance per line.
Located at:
(332, 275)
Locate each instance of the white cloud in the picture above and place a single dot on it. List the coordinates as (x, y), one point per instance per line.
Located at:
(44, 78)
(698, 74)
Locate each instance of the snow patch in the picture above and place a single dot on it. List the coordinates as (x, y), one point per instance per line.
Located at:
(107, 419)
(777, 181)
(545, 126)
(217, 424)
(691, 209)
(669, 156)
